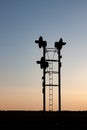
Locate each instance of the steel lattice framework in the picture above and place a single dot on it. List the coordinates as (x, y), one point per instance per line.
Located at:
(46, 63)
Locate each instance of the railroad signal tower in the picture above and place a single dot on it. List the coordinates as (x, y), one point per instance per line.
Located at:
(47, 65)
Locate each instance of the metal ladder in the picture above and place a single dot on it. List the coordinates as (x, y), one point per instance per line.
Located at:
(50, 86)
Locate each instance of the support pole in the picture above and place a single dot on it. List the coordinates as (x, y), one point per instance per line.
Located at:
(44, 82)
(59, 78)
(58, 46)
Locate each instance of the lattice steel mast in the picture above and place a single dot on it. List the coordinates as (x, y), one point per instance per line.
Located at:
(45, 63)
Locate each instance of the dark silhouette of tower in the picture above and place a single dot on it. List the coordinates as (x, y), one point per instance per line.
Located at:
(48, 63)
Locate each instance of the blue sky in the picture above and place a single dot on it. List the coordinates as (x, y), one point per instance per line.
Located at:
(21, 23)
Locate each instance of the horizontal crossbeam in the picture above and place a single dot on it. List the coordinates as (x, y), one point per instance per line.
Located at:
(51, 85)
(53, 72)
(52, 60)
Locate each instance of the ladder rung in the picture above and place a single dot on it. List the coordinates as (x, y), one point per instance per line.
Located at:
(51, 85)
(51, 99)
(51, 104)
(53, 72)
(50, 90)
(50, 78)
(50, 94)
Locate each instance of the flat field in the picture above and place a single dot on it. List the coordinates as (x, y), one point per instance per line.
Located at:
(63, 120)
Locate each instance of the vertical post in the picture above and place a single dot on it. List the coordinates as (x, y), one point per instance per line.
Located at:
(44, 80)
(59, 78)
(59, 45)
(43, 65)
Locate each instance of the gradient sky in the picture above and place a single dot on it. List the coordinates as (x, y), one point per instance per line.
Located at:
(21, 23)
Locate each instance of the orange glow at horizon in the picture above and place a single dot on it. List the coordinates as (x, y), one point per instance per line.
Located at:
(32, 99)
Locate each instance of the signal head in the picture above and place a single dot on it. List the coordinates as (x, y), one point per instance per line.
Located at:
(40, 42)
(43, 63)
(59, 44)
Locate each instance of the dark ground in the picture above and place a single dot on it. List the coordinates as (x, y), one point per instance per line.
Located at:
(65, 120)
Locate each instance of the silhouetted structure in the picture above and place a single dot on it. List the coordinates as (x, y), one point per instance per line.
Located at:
(59, 45)
(43, 65)
(48, 63)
